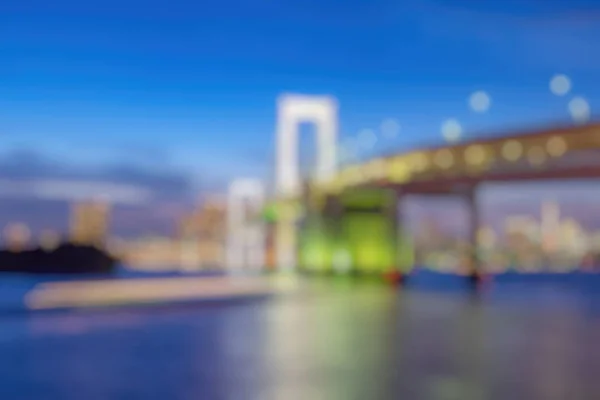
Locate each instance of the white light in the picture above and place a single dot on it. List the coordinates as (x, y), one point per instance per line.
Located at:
(480, 101)
(390, 128)
(560, 85)
(245, 237)
(367, 139)
(579, 109)
(451, 130)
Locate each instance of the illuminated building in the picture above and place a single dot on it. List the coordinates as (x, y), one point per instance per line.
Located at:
(17, 236)
(573, 237)
(152, 254)
(486, 237)
(212, 234)
(89, 223)
(201, 236)
(49, 239)
(549, 226)
(521, 225)
(246, 245)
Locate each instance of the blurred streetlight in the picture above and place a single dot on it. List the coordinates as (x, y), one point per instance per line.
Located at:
(579, 109)
(451, 130)
(366, 139)
(560, 85)
(390, 128)
(480, 101)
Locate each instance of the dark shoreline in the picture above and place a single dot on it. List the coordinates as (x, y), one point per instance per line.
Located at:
(67, 258)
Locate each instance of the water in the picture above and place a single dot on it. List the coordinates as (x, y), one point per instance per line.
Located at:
(338, 339)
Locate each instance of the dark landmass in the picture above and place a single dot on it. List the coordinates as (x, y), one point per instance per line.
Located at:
(67, 258)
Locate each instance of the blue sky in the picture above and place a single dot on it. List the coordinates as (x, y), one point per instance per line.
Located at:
(184, 91)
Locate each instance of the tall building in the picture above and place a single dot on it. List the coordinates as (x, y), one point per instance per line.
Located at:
(212, 224)
(486, 237)
(202, 235)
(573, 237)
(49, 239)
(89, 223)
(521, 225)
(550, 225)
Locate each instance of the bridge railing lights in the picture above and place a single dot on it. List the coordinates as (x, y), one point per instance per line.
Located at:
(399, 170)
(536, 156)
(444, 159)
(556, 146)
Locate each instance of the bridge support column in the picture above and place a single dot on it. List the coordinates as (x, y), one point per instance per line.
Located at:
(404, 250)
(286, 239)
(474, 263)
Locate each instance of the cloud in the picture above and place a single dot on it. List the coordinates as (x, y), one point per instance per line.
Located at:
(26, 172)
(74, 190)
(37, 189)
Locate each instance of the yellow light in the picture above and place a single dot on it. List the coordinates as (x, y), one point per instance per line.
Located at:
(444, 158)
(419, 162)
(399, 170)
(353, 175)
(512, 150)
(375, 169)
(337, 185)
(475, 155)
(536, 156)
(556, 146)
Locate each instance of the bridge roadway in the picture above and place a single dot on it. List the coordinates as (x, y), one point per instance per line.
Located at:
(547, 154)
(336, 339)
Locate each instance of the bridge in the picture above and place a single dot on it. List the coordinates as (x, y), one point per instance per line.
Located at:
(350, 215)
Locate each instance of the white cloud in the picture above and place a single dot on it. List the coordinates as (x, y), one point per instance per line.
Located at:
(74, 190)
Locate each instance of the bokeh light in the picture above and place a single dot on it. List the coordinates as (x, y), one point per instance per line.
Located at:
(512, 150)
(579, 109)
(366, 139)
(560, 85)
(444, 158)
(390, 128)
(480, 101)
(451, 130)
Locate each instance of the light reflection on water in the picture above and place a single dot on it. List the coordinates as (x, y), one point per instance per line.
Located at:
(337, 340)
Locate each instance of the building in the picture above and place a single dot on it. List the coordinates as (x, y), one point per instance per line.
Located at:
(574, 240)
(202, 235)
(151, 253)
(212, 232)
(550, 226)
(89, 223)
(522, 226)
(49, 239)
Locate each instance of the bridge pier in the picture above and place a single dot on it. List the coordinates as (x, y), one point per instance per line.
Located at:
(403, 252)
(471, 197)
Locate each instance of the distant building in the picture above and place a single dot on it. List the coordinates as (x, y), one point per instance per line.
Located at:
(549, 226)
(202, 234)
(49, 240)
(486, 237)
(151, 253)
(90, 223)
(573, 237)
(522, 226)
(212, 229)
